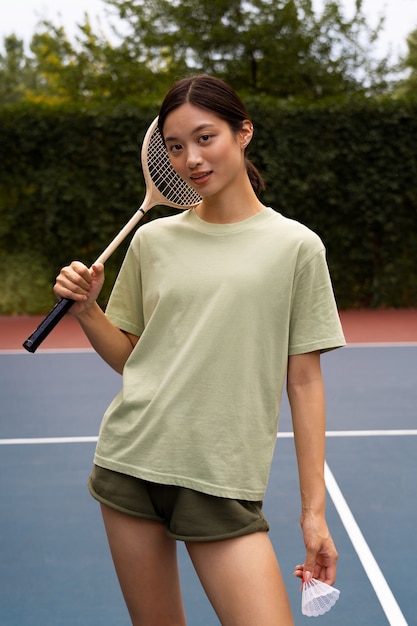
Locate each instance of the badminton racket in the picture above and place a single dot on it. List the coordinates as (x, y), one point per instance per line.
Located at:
(163, 186)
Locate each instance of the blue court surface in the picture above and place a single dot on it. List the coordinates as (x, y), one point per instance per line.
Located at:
(55, 566)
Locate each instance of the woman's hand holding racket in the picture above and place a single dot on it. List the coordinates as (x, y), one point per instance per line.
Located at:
(163, 186)
(80, 284)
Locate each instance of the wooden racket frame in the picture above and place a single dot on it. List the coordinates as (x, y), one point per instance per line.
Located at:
(152, 198)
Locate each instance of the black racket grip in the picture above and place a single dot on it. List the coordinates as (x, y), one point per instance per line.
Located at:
(56, 314)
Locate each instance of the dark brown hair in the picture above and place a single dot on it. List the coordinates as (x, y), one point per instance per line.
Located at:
(212, 94)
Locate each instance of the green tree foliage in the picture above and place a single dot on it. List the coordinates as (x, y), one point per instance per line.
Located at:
(15, 71)
(58, 70)
(276, 47)
(281, 48)
(91, 69)
(409, 85)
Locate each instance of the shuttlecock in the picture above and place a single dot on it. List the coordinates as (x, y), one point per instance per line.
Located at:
(317, 597)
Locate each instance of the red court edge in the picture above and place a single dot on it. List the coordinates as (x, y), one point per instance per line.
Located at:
(360, 326)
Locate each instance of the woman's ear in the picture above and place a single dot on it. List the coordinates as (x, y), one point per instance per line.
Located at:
(246, 133)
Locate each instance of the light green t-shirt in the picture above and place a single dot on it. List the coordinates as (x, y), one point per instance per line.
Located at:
(218, 307)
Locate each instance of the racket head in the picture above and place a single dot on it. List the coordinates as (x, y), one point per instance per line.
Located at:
(163, 184)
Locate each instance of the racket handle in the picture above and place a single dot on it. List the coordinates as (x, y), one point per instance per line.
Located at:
(56, 314)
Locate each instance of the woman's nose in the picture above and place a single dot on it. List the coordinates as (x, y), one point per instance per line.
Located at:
(193, 158)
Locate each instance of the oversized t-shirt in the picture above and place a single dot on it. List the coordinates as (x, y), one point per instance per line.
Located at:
(218, 308)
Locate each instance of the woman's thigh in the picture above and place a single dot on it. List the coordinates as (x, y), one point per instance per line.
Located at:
(145, 559)
(242, 580)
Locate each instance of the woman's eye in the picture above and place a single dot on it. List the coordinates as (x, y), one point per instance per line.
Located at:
(175, 148)
(205, 138)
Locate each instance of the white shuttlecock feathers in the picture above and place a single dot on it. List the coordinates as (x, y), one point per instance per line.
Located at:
(317, 597)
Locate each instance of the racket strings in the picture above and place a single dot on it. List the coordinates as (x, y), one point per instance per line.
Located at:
(164, 177)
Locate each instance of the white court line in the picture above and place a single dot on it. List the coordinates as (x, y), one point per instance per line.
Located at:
(358, 433)
(283, 435)
(42, 440)
(22, 351)
(371, 433)
(371, 567)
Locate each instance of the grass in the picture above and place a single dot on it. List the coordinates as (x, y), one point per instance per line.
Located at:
(25, 286)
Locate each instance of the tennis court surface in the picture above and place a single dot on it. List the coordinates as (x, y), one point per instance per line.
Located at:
(55, 567)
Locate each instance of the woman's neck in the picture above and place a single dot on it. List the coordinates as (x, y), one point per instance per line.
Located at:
(229, 208)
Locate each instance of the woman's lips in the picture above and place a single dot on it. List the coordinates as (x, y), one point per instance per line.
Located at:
(200, 178)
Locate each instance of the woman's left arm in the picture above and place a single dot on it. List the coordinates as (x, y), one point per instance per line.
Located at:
(306, 396)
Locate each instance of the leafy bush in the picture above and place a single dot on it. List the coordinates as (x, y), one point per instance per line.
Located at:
(70, 179)
(348, 171)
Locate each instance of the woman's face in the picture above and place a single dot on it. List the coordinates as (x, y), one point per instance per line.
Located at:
(203, 149)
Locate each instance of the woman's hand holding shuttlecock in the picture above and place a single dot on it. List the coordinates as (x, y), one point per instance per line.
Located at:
(321, 554)
(318, 572)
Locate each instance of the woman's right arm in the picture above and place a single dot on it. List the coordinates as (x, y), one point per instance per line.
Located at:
(83, 285)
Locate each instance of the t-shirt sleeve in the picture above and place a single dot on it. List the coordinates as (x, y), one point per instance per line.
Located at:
(125, 307)
(314, 322)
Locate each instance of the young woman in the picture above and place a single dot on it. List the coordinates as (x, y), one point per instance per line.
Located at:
(212, 311)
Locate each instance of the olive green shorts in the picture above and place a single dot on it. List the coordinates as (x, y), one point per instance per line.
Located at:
(187, 514)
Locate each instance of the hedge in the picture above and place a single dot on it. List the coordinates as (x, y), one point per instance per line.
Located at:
(70, 178)
(350, 173)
